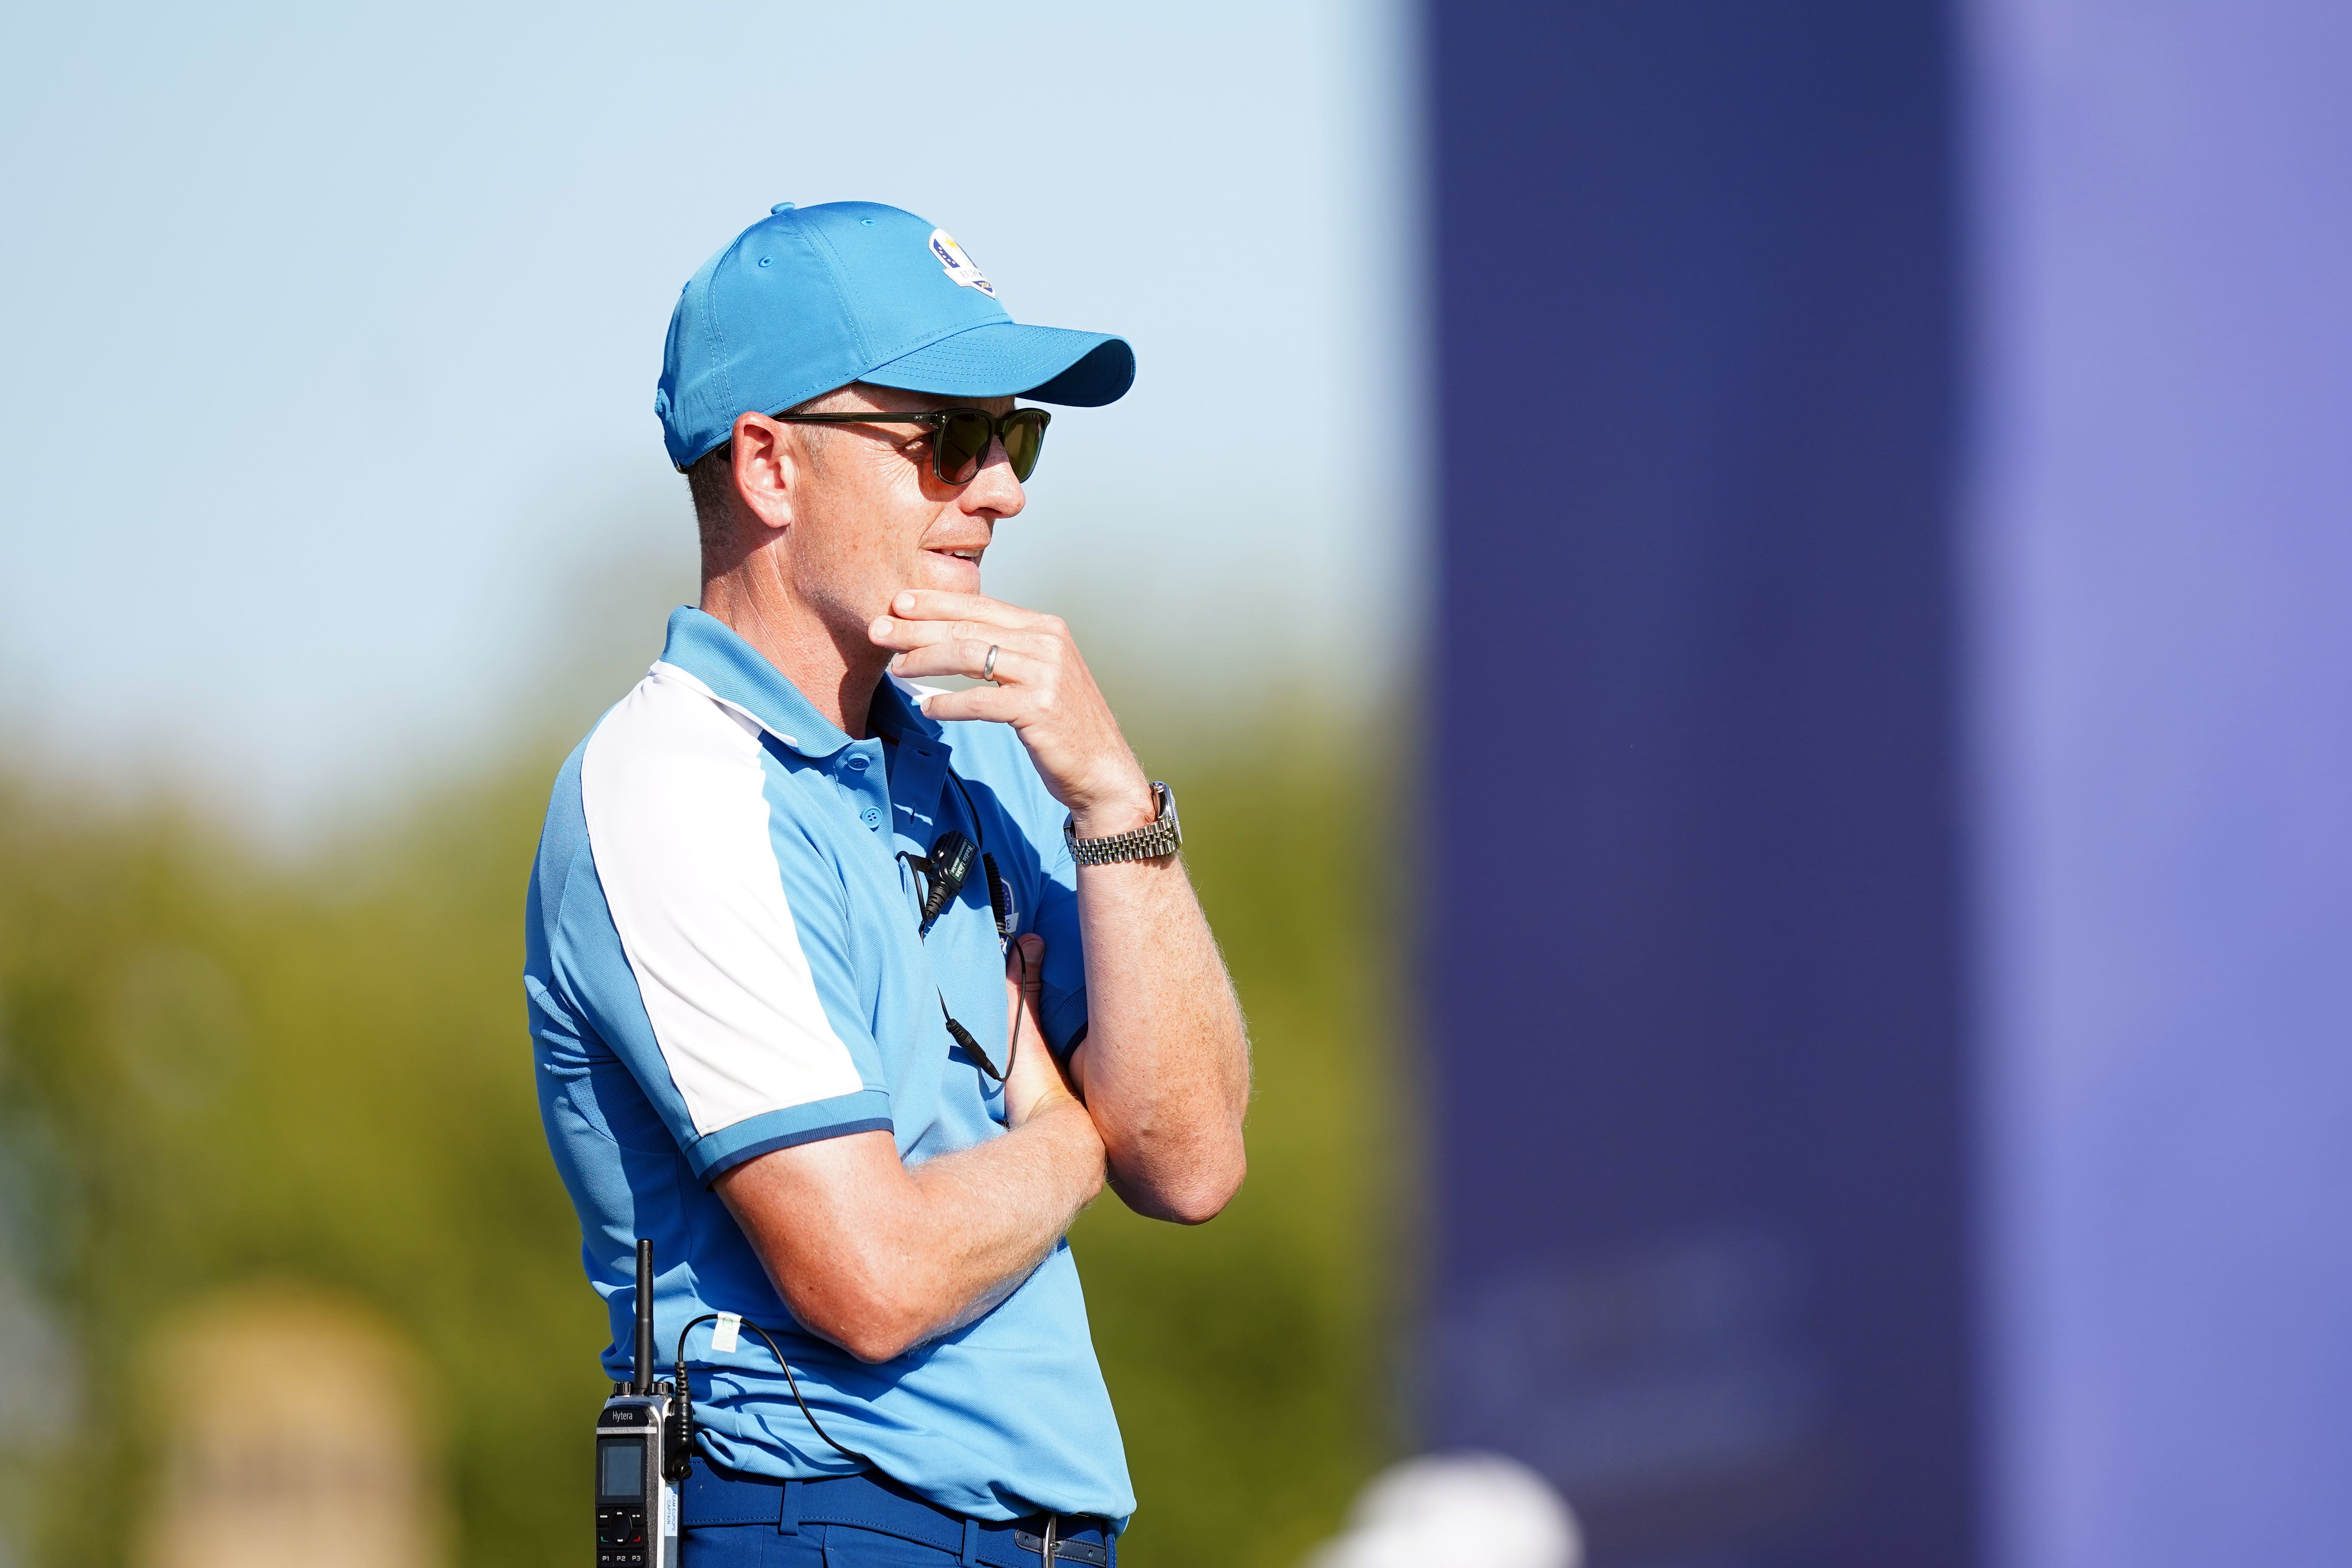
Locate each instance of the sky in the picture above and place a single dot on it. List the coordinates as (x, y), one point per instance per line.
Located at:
(328, 444)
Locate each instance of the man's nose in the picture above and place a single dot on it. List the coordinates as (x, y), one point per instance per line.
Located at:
(994, 489)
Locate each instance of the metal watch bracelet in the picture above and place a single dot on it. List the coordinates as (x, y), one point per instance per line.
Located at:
(1161, 839)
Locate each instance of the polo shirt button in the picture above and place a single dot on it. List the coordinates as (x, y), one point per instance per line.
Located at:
(871, 817)
(857, 764)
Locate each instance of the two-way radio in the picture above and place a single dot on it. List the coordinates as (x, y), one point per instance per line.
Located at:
(644, 1440)
(636, 1496)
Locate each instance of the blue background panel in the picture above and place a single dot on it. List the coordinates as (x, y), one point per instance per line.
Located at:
(1696, 995)
(2160, 644)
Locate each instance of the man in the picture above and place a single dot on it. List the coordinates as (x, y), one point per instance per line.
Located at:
(853, 1080)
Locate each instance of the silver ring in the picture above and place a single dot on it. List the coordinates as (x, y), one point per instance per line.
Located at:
(988, 666)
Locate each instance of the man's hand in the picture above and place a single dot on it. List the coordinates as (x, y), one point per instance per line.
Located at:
(1042, 689)
(1032, 1083)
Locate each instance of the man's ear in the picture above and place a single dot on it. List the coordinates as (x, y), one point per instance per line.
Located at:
(768, 467)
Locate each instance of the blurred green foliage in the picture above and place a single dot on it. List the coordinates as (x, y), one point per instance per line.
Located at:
(216, 1066)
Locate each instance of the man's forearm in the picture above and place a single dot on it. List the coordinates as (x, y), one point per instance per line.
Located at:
(879, 1258)
(1164, 1069)
(999, 1208)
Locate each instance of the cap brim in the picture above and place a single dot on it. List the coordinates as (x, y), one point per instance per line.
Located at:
(1006, 359)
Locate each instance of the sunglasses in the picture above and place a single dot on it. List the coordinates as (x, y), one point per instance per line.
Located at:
(961, 437)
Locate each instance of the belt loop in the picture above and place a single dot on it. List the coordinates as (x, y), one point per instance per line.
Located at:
(971, 1542)
(788, 1518)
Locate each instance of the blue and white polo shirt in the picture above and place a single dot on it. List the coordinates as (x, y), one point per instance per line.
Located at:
(723, 959)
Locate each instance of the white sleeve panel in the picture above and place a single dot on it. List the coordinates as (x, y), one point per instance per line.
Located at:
(677, 823)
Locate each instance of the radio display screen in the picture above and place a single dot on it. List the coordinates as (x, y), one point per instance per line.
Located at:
(620, 1472)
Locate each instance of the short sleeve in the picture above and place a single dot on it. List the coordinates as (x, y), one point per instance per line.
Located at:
(736, 934)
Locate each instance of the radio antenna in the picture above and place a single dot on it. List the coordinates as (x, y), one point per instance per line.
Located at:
(644, 1384)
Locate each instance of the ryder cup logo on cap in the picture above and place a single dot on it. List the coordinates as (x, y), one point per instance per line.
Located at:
(808, 299)
(959, 266)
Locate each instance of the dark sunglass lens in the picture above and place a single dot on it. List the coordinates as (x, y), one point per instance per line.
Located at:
(961, 444)
(1024, 437)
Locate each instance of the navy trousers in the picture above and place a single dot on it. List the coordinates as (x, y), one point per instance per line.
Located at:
(862, 1521)
(816, 1546)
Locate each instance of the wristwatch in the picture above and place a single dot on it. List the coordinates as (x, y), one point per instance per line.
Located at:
(1162, 838)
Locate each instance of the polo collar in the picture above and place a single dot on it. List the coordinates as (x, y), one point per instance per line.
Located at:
(734, 672)
(737, 674)
(894, 713)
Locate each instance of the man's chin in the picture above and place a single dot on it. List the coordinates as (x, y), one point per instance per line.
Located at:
(948, 574)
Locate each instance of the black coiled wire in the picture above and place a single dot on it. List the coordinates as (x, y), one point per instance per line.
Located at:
(677, 1448)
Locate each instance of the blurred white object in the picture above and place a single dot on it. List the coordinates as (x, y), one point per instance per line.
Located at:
(1456, 1510)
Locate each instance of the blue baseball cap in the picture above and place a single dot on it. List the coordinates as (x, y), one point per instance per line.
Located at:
(811, 298)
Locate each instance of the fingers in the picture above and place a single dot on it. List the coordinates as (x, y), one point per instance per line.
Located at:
(907, 636)
(1025, 964)
(1031, 1077)
(990, 703)
(954, 634)
(1025, 981)
(938, 605)
(967, 655)
(1042, 687)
